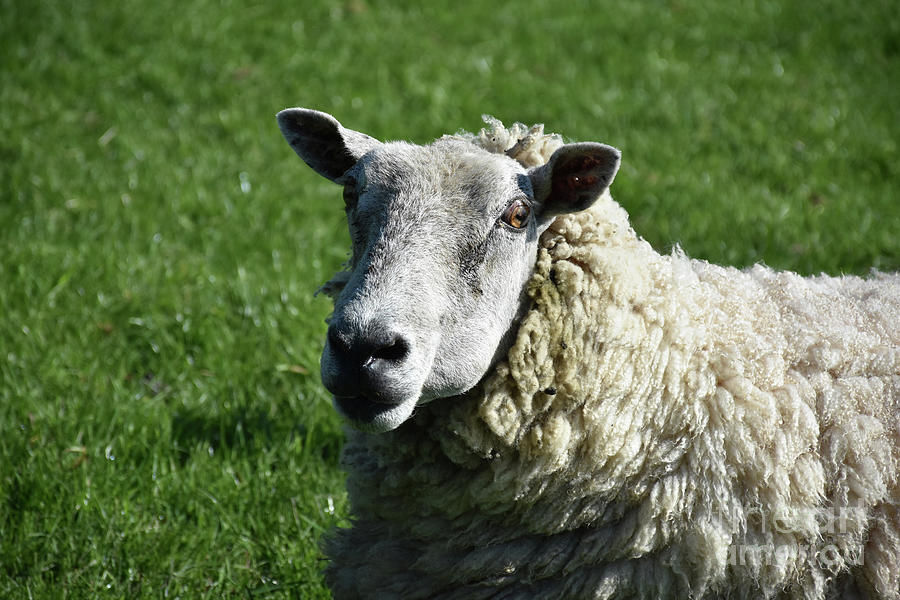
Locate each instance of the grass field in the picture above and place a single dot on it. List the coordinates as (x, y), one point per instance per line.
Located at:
(162, 429)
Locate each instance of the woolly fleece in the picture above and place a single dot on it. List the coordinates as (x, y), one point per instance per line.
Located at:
(661, 428)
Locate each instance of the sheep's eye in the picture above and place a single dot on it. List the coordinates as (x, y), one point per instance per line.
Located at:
(516, 214)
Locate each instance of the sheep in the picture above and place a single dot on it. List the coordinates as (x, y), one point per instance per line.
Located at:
(545, 407)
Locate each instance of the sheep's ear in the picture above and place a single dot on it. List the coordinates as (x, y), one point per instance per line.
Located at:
(574, 177)
(322, 142)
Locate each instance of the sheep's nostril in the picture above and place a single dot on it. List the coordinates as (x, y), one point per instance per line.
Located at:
(396, 350)
(338, 341)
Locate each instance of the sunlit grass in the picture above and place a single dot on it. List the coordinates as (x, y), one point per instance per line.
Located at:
(163, 429)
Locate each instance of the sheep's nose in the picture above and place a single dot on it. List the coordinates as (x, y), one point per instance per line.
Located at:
(370, 351)
(366, 362)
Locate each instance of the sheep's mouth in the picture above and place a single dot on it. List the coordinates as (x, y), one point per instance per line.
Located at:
(367, 414)
(361, 408)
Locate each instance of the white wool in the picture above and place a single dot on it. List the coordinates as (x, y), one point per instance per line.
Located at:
(661, 428)
(529, 146)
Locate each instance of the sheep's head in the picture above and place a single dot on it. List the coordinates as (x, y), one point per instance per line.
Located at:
(444, 239)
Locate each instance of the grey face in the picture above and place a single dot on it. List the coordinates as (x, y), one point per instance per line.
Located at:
(444, 239)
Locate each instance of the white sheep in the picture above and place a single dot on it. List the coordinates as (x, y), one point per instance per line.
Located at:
(611, 422)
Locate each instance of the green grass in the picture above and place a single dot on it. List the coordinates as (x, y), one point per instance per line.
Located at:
(162, 429)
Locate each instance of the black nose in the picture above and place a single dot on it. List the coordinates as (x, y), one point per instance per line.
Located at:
(368, 350)
(366, 362)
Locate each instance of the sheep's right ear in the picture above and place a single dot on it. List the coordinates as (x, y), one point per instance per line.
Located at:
(322, 142)
(574, 177)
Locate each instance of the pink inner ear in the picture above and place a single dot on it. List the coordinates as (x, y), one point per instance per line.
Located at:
(579, 181)
(574, 176)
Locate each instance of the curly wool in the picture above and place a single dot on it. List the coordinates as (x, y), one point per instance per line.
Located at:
(661, 428)
(529, 146)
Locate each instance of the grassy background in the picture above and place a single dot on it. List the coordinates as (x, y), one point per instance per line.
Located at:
(162, 428)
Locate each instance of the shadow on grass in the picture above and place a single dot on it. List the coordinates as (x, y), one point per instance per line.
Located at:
(238, 430)
(245, 430)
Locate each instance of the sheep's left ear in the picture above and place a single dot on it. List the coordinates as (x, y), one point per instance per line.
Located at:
(322, 142)
(574, 177)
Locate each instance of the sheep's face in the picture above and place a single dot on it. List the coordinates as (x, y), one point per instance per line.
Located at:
(444, 240)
